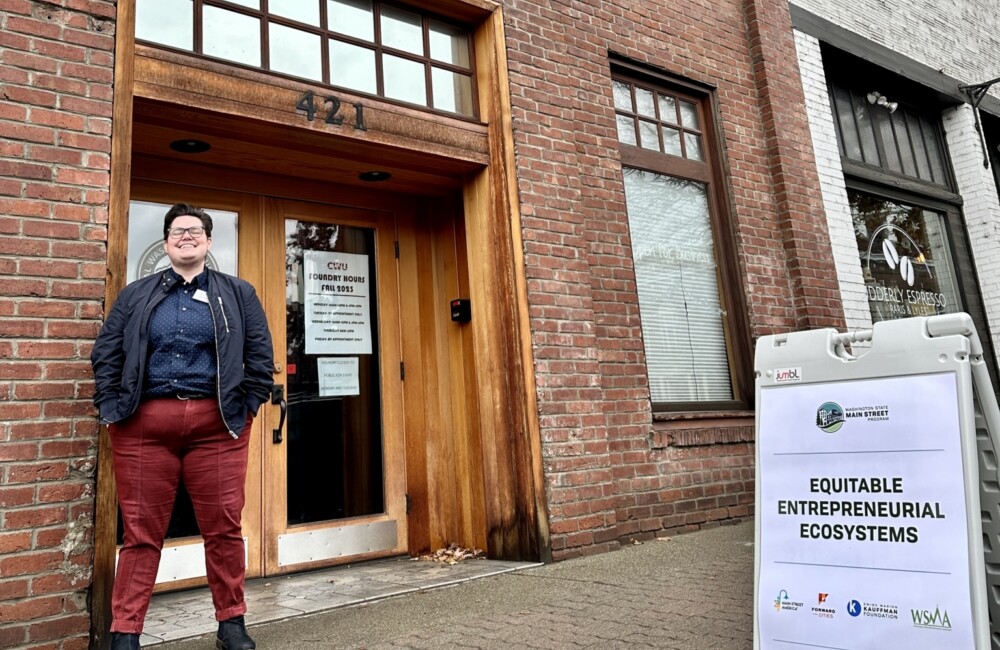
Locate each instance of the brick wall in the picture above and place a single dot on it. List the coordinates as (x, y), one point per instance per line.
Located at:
(958, 37)
(843, 241)
(981, 208)
(55, 124)
(607, 479)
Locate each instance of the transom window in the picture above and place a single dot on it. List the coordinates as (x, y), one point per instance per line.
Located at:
(367, 46)
(657, 119)
(877, 130)
(682, 264)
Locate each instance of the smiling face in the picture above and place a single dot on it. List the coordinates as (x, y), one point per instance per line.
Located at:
(188, 252)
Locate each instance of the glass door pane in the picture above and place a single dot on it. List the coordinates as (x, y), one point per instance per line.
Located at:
(334, 428)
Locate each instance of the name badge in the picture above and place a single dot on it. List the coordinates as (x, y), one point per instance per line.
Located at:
(200, 296)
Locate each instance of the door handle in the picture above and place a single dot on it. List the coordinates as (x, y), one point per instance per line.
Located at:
(278, 397)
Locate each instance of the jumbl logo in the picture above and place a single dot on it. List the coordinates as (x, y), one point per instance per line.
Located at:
(936, 620)
(830, 417)
(784, 375)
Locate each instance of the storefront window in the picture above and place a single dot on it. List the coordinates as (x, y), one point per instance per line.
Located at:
(904, 258)
(367, 46)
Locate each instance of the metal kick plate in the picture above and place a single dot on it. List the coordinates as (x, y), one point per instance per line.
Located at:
(331, 543)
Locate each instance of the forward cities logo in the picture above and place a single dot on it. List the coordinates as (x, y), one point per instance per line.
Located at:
(821, 609)
(783, 602)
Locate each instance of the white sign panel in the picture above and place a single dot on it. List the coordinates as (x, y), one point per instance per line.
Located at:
(863, 534)
(338, 376)
(337, 303)
(145, 240)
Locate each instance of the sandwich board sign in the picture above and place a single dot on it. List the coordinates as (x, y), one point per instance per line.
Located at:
(868, 520)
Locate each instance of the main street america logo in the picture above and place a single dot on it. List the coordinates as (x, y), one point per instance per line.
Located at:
(830, 417)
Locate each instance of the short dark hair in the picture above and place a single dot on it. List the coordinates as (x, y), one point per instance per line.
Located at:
(186, 210)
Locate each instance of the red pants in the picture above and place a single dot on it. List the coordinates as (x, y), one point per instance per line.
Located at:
(164, 440)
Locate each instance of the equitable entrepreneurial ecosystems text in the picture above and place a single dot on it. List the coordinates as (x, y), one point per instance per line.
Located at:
(848, 507)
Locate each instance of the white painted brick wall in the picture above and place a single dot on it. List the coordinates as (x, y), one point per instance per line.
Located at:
(981, 208)
(961, 38)
(831, 176)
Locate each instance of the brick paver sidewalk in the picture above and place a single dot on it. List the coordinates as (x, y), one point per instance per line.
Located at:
(693, 591)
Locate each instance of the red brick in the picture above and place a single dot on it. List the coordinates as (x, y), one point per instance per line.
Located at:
(53, 229)
(27, 132)
(22, 287)
(47, 308)
(45, 350)
(68, 370)
(67, 448)
(22, 328)
(39, 429)
(81, 289)
(44, 390)
(16, 497)
(37, 517)
(19, 410)
(63, 627)
(18, 451)
(9, 590)
(25, 170)
(34, 608)
(64, 492)
(74, 329)
(34, 28)
(35, 472)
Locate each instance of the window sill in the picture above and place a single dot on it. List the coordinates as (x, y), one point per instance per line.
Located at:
(699, 429)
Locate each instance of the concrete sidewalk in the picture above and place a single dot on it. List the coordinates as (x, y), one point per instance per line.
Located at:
(688, 592)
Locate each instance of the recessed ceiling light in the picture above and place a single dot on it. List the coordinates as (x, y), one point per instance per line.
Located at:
(190, 145)
(374, 176)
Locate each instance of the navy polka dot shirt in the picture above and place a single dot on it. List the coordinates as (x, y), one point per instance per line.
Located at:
(182, 356)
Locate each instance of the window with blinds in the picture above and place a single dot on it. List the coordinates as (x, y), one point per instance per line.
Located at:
(670, 185)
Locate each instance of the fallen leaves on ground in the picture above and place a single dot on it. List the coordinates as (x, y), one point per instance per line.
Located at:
(452, 555)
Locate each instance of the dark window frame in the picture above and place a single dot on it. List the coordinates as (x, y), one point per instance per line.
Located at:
(711, 172)
(326, 35)
(959, 250)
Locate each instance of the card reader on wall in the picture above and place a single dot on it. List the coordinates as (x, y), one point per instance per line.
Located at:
(461, 310)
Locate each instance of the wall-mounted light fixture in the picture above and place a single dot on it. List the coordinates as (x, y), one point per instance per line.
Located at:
(878, 99)
(975, 93)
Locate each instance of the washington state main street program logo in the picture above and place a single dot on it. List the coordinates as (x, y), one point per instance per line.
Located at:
(830, 417)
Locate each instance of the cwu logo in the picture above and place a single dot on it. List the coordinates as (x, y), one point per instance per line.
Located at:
(830, 417)
(936, 620)
(854, 608)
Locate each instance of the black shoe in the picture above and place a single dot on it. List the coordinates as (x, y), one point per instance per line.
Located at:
(124, 641)
(233, 635)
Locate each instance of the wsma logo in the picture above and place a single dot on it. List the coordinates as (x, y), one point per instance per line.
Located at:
(936, 620)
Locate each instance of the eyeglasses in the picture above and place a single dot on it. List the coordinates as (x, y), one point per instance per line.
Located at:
(194, 231)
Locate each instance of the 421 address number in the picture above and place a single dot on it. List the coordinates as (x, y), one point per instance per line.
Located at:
(307, 104)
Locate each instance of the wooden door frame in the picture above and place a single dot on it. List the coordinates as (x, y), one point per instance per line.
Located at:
(516, 517)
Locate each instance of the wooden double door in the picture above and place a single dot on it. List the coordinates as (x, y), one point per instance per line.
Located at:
(326, 481)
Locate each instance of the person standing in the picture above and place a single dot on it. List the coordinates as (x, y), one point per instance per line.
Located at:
(181, 365)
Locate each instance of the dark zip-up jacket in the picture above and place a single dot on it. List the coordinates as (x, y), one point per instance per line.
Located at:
(242, 343)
